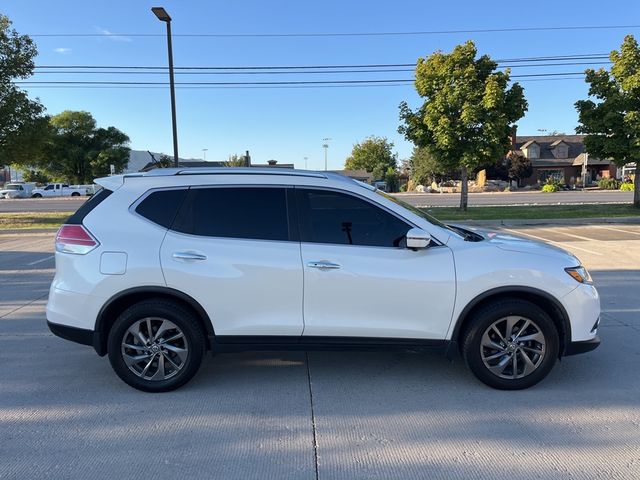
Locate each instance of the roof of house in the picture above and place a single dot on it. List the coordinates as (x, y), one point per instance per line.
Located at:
(547, 143)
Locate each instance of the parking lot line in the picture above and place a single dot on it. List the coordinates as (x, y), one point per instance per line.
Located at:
(617, 229)
(560, 244)
(41, 260)
(573, 235)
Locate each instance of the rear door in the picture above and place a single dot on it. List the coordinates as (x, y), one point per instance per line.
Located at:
(233, 251)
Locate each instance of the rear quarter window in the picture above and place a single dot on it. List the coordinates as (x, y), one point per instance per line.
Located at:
(161, 206)
(86, 207)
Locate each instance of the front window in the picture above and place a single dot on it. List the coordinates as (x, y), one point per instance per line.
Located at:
(12, 187)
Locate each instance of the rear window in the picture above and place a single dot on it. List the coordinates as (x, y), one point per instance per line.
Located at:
(235, 212)
(161, 206)
(86, 207)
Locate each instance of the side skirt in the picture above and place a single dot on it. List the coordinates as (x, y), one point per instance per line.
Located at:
(242, 343)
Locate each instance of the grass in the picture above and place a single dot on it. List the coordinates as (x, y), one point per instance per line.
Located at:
(530, 212)
(30, 220)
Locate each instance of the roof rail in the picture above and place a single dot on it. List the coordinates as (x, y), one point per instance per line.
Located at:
(157, 172)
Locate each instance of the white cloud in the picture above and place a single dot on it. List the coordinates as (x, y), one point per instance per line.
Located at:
(62, 50)
(113, 36)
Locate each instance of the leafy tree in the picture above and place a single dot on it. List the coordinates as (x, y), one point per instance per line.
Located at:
(467, 113)
(36, 176)
(373, 154)
(79, 151)
(236, 161)
(392, 180)
(519, 167)
(425, 167)
(612, 121)
(21, 119)
(165, 161)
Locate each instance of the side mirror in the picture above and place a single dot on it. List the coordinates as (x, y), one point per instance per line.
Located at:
(418, 239)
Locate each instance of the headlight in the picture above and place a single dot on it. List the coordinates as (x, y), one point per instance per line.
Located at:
(579, 274)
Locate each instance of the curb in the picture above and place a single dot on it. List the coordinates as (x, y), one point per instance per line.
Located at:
(14, 231)
(549, 221)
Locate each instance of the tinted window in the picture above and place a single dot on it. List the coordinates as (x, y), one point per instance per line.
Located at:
(332, 217)
(161, 207)
(239, 212)
(89, 205)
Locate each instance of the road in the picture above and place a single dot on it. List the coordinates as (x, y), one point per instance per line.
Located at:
(416, 199)
(322, 415)
(518, 198)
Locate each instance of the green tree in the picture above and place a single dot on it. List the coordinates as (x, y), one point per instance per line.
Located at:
(37, 176)
(21, 119)
(392, 180)
(519, 167)
(467, 113)
(236, 161)
(373, 154)
(165, 161)
(79, 151)
(425, 167)
(612, 121)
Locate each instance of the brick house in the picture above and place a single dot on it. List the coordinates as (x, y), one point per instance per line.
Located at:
(561, 157)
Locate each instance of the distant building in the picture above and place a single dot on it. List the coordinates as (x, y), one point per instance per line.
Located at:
(360, 175)
(561, 157)
(142, 161)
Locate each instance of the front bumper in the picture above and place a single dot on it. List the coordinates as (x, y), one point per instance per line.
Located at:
(575, 348)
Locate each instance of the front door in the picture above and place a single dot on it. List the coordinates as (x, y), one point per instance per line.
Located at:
(230, 248)
(360, 280)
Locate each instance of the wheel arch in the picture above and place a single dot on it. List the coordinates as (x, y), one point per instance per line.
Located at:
(550, 304)
(122, 300)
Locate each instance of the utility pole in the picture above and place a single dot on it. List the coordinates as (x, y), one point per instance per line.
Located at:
(305, 163)
(204, 154)
(325, 145)
(584, 170)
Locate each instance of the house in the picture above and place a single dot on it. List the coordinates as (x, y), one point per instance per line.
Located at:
(561, 157)
(360, 175)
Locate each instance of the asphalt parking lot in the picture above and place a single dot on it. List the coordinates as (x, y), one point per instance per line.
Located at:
(64, 413)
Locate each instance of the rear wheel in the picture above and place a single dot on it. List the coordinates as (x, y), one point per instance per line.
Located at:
(511, 344)
(75, 194)
(36, 195)
(156, 346)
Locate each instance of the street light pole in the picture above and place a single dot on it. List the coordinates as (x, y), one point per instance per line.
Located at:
(326, 147)
(204, 153)
(163, 16)
(305, 163)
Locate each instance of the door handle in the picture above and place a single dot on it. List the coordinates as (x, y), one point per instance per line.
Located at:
(188, 256)
(323, 265)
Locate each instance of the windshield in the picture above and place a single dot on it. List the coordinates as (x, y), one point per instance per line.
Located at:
(12, 187)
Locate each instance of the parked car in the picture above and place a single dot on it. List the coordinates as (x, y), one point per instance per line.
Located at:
(158, 268)
(17, 190)
(59, 190)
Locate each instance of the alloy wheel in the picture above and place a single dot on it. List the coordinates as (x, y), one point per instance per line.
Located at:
(512, 347)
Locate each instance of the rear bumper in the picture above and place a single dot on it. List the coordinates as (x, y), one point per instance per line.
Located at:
(574, 348)
(78, 335)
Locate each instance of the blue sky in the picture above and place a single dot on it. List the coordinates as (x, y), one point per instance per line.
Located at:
(289, 124)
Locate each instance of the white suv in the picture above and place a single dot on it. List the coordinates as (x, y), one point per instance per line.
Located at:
(158, 268)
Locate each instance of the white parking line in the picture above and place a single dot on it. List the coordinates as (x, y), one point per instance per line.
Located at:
(620, 310)
(41, 260)
(520, 232)
(617, 229)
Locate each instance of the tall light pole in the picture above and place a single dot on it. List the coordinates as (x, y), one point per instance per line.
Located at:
(325, 145)
(204, 154)
(305, 163)
(163, 16)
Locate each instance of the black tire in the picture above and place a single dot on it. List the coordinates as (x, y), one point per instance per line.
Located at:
(483, 319)
(36, 195)
(186, 323)
(75, 194)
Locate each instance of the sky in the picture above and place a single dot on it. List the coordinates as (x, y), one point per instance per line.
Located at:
(288, 124)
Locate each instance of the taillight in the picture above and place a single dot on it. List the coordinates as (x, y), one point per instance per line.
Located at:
(75, 239)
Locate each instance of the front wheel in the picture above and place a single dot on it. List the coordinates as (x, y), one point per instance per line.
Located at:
(511, 344)
(156, 346)
(36, 195)
(75, 194)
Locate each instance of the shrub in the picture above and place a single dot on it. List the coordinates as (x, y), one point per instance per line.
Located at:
(608, 184)
(550, 187)
(403, 187)
(626, 187)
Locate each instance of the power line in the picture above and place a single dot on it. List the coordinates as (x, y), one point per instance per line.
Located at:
(500, 62)
(344, 34)
(286, 82)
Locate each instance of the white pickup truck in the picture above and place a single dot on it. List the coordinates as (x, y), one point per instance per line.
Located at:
(58, 190)
(17, 190)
